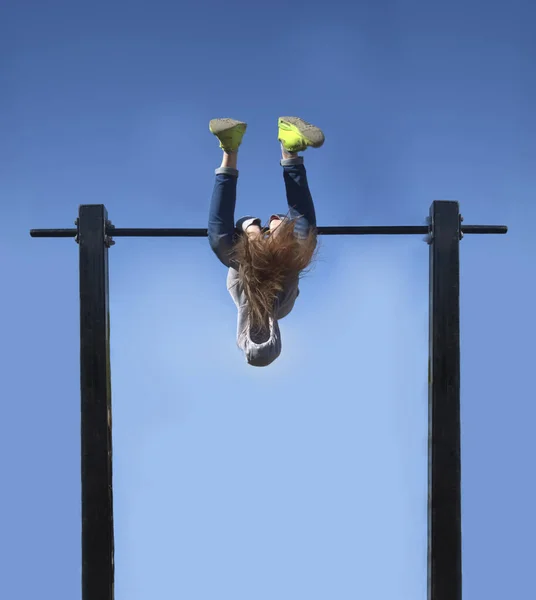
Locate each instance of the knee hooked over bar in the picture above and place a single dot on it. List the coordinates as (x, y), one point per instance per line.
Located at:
(222, 246)
(302, 226)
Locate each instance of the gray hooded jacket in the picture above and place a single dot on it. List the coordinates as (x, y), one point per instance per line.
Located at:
(264, 353)
(260, 354)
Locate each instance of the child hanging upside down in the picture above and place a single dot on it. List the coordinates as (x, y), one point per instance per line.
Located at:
(264, 262)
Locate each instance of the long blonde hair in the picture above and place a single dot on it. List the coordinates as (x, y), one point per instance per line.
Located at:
(266, 262)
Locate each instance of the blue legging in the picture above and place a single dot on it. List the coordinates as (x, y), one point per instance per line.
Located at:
(222, 230)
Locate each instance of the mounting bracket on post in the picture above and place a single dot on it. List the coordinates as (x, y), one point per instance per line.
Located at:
(109, 227)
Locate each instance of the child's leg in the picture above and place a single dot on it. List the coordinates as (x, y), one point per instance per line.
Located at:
(221, 226)
(299, 199)
(295, 136)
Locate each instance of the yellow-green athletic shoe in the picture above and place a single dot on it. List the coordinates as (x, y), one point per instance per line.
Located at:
(296, 135)
(229, 132)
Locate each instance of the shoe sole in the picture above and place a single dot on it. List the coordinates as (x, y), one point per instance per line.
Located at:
(313, 135)
(218, 126)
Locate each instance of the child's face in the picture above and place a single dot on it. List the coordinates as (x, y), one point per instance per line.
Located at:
(254, 231)
(274, 224)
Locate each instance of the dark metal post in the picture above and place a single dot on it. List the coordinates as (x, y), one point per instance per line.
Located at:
(96, 407)
(444, 474)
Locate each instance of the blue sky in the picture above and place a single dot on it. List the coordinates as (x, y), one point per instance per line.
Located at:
(306, 479)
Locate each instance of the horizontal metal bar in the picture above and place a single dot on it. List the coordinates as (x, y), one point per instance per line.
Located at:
(359, 230)
(484, 229)
(53, 233)
(370, 230)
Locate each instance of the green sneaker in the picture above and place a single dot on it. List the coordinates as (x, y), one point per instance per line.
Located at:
(229, 132)
(295, 134)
